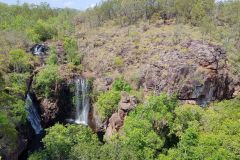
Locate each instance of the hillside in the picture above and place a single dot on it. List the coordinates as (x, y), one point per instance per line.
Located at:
(150, 79)
(169, 58)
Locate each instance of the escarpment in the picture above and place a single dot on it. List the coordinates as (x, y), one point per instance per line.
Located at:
(201, 74)
(157, 61)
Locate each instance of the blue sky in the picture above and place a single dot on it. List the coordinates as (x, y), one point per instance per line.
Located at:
(77, 4)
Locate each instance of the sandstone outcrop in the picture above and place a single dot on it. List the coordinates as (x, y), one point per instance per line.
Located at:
(126, 104)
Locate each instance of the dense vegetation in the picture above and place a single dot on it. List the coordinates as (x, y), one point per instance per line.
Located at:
(21, 26)
(159, 127)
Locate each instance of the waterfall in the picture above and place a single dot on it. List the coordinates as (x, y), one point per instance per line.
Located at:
(33, 116)
(39, 49)
(82, 101)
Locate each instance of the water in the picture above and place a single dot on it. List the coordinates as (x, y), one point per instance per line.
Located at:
(82, 101)
(39, 49)
(33, 116)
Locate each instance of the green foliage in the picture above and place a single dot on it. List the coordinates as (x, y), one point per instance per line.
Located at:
(116, 149)
(60, 142)
(40, 21)
(185, 115)
(19, 112)
(47, 79)
(209, 134)
(71, 49)
(57, 143)
(38, 156)
(144, 127)
(140, 135)
(52, 58)
(19, 60)
(86, 150)
(118, 61)
(41, 31)
(17, 83)
(120, 85)
(8, 140)
(107, 103)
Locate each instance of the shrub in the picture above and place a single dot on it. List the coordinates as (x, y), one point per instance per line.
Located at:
(120, 85)
(19, 111)
(19, 60)
(8, 134)
(60, 140)
(41, 31)
(118, 61)
(17, 83)
(107, 103)
(52, 59)
(71, 49)
(184, 115)
(47, 79)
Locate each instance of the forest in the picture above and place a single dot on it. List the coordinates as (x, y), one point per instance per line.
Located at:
(125, 79)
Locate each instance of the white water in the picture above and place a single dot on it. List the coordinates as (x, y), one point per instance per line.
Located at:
(38, 50)
(33, 116)
(82, 101)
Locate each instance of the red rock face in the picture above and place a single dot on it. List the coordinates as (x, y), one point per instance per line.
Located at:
(49, 109)
(126, 104)
(201, 74)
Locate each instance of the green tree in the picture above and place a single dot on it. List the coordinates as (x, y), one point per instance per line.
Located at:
(57, 143)
(47, 80)
(71, 49)
(52, 58)
(119, 151)
(107, 103)
(19, 60)
(41, 31)
(60, 142)
(145, 129)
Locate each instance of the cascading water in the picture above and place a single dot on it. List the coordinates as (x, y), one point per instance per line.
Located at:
(82, 101)
(33, 116)
(39, 49)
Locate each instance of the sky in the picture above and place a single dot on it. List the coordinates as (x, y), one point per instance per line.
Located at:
(77, 4)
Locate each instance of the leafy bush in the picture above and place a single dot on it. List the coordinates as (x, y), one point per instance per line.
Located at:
(118, 61)
(17, 83)
(19, 60)
(144, 127)
(120, 85)
(41, 31)
(184, 115)
(47, 79)
(60, 141)
(107, 103)
(71, 49)
(19, 112)
(8, 134)
(207, 134)
(52, 58)
(119, 151)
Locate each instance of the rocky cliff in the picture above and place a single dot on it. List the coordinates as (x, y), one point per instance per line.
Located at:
(160, 58)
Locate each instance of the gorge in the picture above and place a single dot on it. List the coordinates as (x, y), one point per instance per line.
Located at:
(124, 80)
